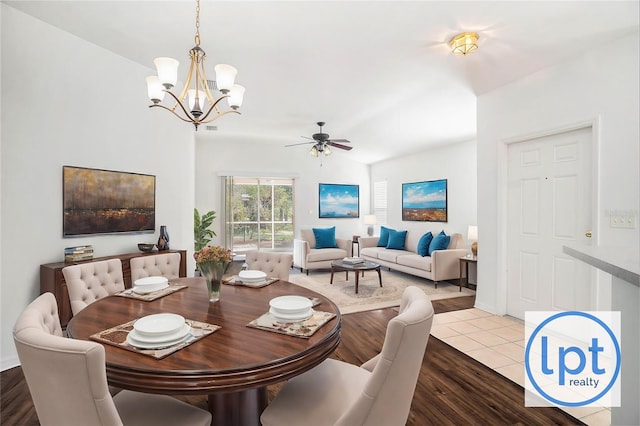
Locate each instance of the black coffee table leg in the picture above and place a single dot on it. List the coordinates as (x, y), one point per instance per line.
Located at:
(379, 276)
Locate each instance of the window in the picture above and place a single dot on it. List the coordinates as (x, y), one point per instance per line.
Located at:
(258, 214)
(380, 202)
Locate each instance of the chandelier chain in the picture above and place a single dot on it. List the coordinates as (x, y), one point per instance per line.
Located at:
(197, 23)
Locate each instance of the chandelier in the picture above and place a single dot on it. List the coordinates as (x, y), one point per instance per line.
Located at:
(196, 103)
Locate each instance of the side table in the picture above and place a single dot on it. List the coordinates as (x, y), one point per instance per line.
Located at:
(464, 265)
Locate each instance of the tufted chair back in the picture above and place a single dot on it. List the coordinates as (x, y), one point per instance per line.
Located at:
(159, 265)
(88, 282)
(379, 392)
(68, 382)
(275, 265)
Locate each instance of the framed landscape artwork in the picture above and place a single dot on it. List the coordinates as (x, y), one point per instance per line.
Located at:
(425, 201)
(104, 201)
(338, 201)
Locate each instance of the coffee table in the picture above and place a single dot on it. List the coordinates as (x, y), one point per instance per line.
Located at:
(339, 266)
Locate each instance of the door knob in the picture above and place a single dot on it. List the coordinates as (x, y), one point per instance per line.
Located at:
(587, 234)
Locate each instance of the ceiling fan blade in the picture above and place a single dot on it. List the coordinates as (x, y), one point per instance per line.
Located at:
(339, 140)
(301, 143)
(337, 145)
(306, 137)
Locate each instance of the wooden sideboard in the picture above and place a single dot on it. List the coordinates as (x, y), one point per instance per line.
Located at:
(52, 279)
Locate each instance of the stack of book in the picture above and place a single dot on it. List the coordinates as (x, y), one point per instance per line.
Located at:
(74, 254)
(353, 260)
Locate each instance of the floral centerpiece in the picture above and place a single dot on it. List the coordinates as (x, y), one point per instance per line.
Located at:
(213, 262)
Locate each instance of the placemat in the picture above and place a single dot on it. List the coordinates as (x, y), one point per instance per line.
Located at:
(153, 295)
(304, 329)
(117, 336)
(235, 280)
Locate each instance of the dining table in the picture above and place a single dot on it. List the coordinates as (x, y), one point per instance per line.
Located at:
(233, 365)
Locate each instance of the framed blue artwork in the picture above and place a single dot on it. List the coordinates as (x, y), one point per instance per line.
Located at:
(338, 201)
(425, 201)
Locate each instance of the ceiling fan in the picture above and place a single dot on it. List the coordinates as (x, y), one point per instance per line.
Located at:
(322, 143)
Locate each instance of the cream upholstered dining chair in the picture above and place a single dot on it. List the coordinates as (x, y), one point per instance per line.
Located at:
(88, 282)
(68, 381)
(158, 265)
(379, 392)
(274, 264)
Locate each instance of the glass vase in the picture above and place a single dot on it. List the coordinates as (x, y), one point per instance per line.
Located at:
(212, 273)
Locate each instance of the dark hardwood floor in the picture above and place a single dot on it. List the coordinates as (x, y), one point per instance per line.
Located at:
(452, 389)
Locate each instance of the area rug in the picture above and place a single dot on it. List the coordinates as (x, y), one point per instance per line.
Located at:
(370, 295)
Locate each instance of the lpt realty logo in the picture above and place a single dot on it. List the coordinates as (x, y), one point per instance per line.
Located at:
(572, 359)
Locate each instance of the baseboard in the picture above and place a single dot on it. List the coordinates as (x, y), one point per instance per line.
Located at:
(9, 362)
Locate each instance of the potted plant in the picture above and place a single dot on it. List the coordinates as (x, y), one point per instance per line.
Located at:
(201, 233)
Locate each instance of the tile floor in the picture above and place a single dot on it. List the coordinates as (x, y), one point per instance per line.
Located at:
(498, 342)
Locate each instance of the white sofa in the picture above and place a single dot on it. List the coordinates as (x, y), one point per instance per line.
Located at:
(307, 256)
(441, 265)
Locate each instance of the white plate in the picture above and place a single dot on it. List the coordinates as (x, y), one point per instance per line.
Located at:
(144, 345)
(159, 324)
(150, 284)
(151, 281)
(290, 304)
(160, 339)
(148, 289)
(291, 318)
(252, 276)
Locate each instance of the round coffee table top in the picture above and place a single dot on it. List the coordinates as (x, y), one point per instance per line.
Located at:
(365, 266)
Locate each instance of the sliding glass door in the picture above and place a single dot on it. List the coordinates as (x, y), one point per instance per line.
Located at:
(260, 214)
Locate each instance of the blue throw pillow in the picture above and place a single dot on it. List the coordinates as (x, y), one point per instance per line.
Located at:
(384, 236)
(439, 242)
(396, 239)
(423, 244)
(325, 237)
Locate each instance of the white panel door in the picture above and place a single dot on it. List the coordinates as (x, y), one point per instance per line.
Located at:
(548, 205)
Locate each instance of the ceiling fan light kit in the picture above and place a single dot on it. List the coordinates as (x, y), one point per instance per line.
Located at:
(464, 43)
(199, 94)
(322, 144)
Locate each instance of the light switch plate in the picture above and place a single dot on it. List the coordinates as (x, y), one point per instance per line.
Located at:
(623, 220)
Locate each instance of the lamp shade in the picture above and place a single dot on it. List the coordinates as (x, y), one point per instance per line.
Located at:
(235, 96)
(154, 89)
(192, 99)
(167, 71)
(225, 76)
(370, 219)
(472, 233)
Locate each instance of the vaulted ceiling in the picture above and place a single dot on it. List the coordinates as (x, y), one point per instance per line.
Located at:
(378, 73)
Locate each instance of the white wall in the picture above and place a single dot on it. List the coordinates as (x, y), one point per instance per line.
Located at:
(255, 158)
(456, 163)
(600, 87)
(68, 102)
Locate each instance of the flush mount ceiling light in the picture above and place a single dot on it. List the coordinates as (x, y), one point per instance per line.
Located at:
(196, 87)
(464, 43)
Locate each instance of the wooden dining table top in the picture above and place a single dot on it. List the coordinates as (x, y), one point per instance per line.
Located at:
(233, 358)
